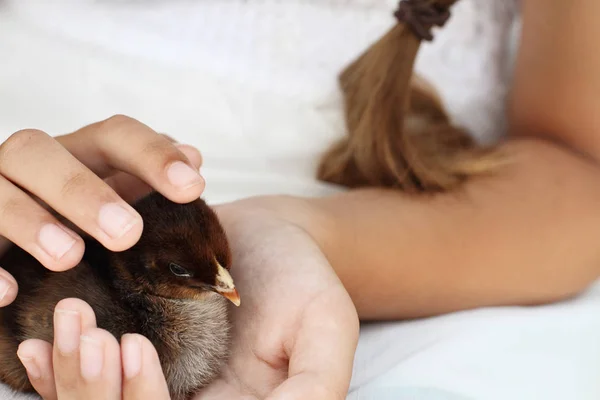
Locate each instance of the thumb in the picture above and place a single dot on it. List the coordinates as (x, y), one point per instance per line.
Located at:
(322, 354)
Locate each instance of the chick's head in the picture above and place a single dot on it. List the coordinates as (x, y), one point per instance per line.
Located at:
(183, 252)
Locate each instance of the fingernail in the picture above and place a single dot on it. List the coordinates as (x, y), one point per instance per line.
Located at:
(55, 241)
(182, 175)
(67, 330)
(132, 355)
(91, 355)
(4, 288)
(115, 220)
(31, 366)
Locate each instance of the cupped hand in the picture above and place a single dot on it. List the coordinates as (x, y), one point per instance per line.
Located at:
(86, 362)
(89, 177)
(296, 330)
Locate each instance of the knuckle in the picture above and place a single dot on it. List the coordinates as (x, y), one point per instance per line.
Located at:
(160, 149)
(119, 121)
(65, 380)
(20, 140)
(74, 183)
(117, 126)
(11, 207)
(18, 211)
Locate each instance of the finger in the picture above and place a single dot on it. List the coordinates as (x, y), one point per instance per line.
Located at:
(321, 369)
(131, 188)
(100, 366)
(71, 318)
(39, 164)
(36, 357)
(28, 225)
(127, 145)
(170, 138)
(196, 156)
(143, 375)
(193, 155)
(8, 288)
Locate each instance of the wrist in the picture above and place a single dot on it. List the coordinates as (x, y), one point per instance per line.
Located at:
(303, 212)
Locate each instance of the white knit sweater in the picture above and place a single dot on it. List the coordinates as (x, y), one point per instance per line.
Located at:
(252, 83)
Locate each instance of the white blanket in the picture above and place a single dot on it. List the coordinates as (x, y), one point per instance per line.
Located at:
(253, 85)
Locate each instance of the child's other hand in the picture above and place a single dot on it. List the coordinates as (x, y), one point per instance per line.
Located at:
(86, 362)
(88, 177)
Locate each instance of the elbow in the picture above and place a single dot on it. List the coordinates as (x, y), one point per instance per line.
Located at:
(568, 124)
(560, 292)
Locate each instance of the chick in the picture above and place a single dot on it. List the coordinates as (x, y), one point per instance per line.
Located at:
(173, 287)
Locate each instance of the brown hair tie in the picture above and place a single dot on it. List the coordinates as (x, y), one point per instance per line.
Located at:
(421, 15)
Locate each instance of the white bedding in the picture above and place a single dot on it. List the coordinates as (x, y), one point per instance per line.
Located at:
(252, 84)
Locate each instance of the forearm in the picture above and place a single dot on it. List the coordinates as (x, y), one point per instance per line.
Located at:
(557, 78)
(526, 236)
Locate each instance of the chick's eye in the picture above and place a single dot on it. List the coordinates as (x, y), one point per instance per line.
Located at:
(179, 271)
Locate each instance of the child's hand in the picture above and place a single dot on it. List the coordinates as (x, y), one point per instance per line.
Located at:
(88, 177)
(295, 334)
(86, 362)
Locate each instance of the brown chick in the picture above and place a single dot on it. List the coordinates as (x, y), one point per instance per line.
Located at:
(172, 287)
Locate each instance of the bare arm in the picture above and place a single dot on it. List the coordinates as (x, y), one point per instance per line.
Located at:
(527, 236)
(556, 93)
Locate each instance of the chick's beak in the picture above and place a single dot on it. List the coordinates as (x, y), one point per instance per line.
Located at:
(232, 296)
(225, 286)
